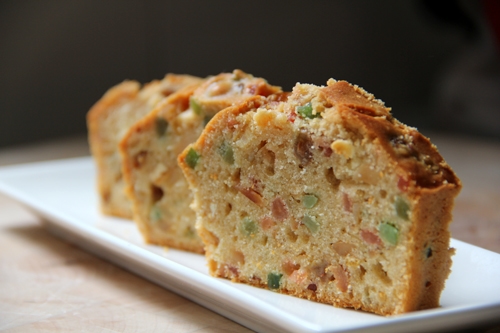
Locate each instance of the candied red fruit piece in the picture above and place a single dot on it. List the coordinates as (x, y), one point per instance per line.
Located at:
(279, 209)
(370, 237)
(251, 194)
(403, 184)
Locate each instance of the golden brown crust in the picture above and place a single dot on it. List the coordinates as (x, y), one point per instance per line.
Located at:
(344, 95)
(361, 113)
(120, 94)
(431, 217)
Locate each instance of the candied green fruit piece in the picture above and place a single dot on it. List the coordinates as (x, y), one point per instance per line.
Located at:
(189, 232)
(192, 158)
(155, 214)
(195, 106)
(309, 200)
(311, 223)
(226, 151)
(306, 111)
(161, 126)
(389, 233)
(273, 280)
(402, 208)
(248, 227)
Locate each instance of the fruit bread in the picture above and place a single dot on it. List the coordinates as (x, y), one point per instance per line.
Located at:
(155, 183)
(109, 119)
(324, 195)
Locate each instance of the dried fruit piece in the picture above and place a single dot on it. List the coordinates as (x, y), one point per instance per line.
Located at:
(366, 174)
(208, 237)
(306, 111)
(273, 280)
(403, 184)
(342, 248)
(389, 233)
(347, 203)
(311, 223)
(279, 209)
(248, 227)
(369, 237)
(226, 151)
(233, 270)
(309, 200)
(331, 178)
(299, 276)
(155, 213)
(267, 223)
(161, 126)
(192, 158)
(302, 149)
(189, 232)
(251, 194)
(195, 106)
(341, 277)
(289, 267)
(402, 207)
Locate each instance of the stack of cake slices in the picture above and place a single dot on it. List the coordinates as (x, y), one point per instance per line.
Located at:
(319, 193)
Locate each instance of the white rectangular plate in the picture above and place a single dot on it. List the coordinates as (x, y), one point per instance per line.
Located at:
(63, 194)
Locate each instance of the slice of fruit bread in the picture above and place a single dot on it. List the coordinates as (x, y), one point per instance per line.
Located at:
(107, 122)
(324, 196)
(155, 183)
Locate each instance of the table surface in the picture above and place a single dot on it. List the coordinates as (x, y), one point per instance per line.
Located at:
(48, 284)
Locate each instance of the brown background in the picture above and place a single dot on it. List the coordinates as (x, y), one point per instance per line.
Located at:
(58, 57)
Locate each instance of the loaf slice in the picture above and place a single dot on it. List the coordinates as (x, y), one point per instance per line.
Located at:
(324, 196)
(107, 122)
(155, 183)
